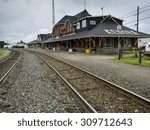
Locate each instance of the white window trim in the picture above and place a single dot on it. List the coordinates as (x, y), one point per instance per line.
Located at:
(84, 25)
(78, 25)
(92, 22)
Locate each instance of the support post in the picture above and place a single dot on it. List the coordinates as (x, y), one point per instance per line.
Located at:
(53, 13)
(140, 57)
(119, 44)
(138, 18)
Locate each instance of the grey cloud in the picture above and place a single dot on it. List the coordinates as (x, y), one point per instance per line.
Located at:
(28, 17)
(5, 1)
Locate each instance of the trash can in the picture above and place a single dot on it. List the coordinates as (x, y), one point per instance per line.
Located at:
(70, 50)
(88, 51)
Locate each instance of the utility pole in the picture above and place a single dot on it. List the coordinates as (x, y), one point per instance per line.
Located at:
(139, 56)
(84, 4)
(119, 44)
(138, 9)
(53, 13)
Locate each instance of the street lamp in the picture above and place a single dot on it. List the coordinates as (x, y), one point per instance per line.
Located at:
(102, 8)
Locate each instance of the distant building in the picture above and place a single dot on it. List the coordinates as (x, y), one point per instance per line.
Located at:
(1, 44)
(143, 41)
(43, 37)
(20, 44)
(38, 43)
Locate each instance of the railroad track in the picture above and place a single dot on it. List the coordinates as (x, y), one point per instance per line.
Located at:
(12, 53)
(7, 65)
(94, 93)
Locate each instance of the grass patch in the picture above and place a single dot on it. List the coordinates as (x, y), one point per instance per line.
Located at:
(4, 53)
(134, 60)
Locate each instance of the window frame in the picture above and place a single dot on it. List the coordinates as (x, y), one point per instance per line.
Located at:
(92, 22)
(84, 24)
(78, 25)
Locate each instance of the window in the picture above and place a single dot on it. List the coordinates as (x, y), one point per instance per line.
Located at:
(78, 25)
(92, 22)
(83, 23)
(108, 42)
(128, 42)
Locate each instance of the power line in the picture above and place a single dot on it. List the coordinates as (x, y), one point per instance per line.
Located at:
(144, 18)
(144, 10)
(136, 20)
(144, 7)
(128, 14)
(132, 13)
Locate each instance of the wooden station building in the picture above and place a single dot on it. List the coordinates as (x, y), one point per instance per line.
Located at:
(102, 34)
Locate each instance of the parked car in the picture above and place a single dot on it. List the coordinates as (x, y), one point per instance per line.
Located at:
(147, 49)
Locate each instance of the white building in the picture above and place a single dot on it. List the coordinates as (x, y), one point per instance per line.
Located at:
(143, 41)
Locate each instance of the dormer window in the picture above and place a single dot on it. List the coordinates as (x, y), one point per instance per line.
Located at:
(78, 25)
(83, 23)
(92, 22)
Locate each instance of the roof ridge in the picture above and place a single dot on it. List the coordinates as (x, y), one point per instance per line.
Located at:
(109, 16)
(82, 14)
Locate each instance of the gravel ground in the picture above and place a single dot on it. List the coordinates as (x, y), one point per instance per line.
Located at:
(34, 87)
(132, 77)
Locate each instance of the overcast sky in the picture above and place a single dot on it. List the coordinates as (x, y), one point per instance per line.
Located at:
(24, 19)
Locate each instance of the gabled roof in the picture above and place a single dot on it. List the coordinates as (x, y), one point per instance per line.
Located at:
(110, 30)
(82, 14)
(109, 17)
(104, 16)
(74, 18)
(44, 37)
(34, 42)
(103, 29)
(66, 17)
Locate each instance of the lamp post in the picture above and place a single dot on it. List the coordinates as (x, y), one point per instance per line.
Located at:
(119, 45)
(102, 8)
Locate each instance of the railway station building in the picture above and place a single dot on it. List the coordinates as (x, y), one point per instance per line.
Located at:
(2, 44)
(102, 34)
(38, 43)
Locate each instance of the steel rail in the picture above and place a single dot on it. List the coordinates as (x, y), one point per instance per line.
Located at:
(77, 95)
(1, 61)
(10, 70)
(126, 92)
(122, 90)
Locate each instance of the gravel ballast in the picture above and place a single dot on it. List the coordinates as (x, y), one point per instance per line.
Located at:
(34, 88)
(132, 77)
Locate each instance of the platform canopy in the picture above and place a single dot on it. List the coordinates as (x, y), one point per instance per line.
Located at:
(34, 42)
